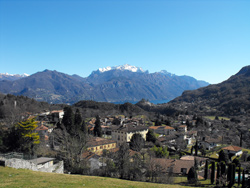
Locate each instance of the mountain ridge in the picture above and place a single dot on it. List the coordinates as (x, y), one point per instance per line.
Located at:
(123, 84)
(230, 97)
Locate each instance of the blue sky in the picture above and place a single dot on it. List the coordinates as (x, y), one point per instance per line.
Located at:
(206, 39)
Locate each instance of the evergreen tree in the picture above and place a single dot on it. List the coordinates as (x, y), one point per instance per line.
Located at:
(98, 128)
(218, 175)
(239, 176)
(123, 161)
(150, 136)
(206, 170)
(84, 127)
(240, 139)
(137, 142)
(243, 179)
(236, 161)
(157, 122)
(78, 118)
(195, 164)
(196, 148)
(68, 118)
(192, 149)
(192, 175)
(223, 171)
(212, 172)
(229, 173)
(223, 156)
(233, 173)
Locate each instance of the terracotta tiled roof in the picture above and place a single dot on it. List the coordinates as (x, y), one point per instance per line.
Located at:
(183, 126)
(56, 111)
(232, 148)
(191, 158)
(131, 128)
(87, 155)
(153, 127)
(41, 128)
(97, 141)
(175, 164)
(168, 127)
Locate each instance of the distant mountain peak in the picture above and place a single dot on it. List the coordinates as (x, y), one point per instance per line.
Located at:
(18, 75)
(122, 68)
(164, 72)
(11, 77)
(244, 71)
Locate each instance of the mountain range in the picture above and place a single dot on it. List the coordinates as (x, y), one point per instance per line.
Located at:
(231, 97)
(11, 77)
(124, 83)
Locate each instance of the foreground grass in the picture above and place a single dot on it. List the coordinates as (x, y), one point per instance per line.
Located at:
(10, 177)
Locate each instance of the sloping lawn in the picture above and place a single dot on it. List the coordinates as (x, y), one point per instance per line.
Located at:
(10, 177)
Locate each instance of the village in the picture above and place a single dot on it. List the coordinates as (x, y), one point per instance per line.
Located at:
(169, 151)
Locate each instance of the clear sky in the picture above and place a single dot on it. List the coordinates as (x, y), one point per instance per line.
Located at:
(206, 39)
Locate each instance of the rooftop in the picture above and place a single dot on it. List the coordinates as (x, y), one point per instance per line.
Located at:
(232, 148)
(42, 160)
(97, 141)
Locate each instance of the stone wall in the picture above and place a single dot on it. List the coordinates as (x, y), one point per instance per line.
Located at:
(24, 164)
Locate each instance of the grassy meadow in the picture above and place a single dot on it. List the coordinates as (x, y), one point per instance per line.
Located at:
(10, 177)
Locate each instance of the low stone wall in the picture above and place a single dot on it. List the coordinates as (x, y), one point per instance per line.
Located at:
(24, 164)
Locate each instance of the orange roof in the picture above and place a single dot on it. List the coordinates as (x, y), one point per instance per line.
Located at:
(41, 128)
(232, 148)
(168, 127)
(153, 127)
(46, 137)
(56, 111)
(87, 155)
(183, 126)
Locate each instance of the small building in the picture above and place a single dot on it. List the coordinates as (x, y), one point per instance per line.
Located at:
(97, 144)
(233, 150)
(123, 134)
(157, 129)
(182, 128)
(163, 130)
(169, 130)
(209, 143)
(93, 161)
(43, 162)
(176, 166)
(57, 115)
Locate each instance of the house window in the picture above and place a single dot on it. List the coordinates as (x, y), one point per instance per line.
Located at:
(183, 170)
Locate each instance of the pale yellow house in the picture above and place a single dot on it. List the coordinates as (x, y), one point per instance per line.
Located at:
(124, 134)
(97, 144)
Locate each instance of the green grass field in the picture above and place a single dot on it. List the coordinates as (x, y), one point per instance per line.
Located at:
(220, 118)
(10, 177)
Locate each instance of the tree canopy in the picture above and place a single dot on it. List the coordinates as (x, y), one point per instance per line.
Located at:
(137, 142)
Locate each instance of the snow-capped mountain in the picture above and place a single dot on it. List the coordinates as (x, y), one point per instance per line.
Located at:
(12, 77)
(164, 72)
(122, 68)
(112, 84)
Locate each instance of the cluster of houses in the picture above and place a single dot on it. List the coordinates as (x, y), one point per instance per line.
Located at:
(118, 130)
